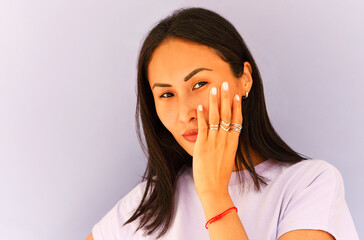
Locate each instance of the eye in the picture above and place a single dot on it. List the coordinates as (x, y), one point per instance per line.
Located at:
(203, 83)
(164, 95)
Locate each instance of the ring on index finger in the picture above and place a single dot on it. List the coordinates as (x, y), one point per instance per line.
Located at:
(214, 127)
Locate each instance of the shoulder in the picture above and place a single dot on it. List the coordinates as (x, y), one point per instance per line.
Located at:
(311, 170)
(127, 205)
(134, 195)
(314, 198)
(109, 225)
(313, 177)
(313, 164)
(307, 178)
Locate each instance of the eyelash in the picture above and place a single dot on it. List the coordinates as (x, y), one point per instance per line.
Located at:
(204, 83)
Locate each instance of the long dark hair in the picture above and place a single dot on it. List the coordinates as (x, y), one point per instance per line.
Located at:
(166, 158)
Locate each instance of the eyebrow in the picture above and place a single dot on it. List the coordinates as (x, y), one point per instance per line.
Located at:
(190, 75)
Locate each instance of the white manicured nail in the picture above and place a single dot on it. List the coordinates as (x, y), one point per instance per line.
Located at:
(213, 91)
(237, 97)
(200, 107)
(225, 86)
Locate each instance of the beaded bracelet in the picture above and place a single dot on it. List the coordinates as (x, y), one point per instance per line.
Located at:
(219, 216)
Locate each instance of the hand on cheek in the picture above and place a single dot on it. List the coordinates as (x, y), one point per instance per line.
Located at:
(215, 147)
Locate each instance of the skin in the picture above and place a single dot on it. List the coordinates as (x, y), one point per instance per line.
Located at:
(178, 109)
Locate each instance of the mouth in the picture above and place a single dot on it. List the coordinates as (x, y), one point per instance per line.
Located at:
(190, 138)
(191, 135)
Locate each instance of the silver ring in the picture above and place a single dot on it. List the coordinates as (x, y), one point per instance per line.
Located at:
(225, 129)
(225, 124)
(214, 127)
(236, 129)
(237, 125)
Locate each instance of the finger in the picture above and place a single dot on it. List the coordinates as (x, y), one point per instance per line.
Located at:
(214, 117)
(225, 113)
(237, 118)
(202, 126)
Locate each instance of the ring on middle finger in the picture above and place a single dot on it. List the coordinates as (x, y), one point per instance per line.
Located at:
(227, 126)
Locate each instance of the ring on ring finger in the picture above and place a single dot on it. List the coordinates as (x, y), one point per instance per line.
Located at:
(236, 127)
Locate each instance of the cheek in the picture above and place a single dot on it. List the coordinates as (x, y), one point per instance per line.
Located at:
(166, 116)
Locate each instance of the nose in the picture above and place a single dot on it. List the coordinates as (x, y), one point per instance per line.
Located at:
(187, 108)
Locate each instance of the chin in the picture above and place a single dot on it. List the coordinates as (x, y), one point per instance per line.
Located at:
(190, 151)
(189, 148)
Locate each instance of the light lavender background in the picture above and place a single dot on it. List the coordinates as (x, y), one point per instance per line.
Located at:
(68, 148)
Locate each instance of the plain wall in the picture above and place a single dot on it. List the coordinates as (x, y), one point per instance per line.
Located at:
(68, 147)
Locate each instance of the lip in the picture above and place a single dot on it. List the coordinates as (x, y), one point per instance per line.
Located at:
(191, 135)
(191, 138)
(191, 132)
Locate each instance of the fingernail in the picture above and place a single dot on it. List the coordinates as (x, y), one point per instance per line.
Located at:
(225, 86)
(213, 91)
(200, 107)
(237, 97)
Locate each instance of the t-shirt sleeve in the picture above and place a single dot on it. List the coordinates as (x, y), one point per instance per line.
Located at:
(111, 227)
(318, 202)
(107, 227)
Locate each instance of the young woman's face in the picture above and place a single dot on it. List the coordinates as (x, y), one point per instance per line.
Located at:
(178, 88)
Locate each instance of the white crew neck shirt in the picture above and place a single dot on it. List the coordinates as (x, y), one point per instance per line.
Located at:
(306, 195)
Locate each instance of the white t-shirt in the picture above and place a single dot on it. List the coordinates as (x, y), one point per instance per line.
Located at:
(306, 195)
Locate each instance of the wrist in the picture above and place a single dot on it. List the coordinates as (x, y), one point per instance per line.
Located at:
(213, 193)
(215, 203)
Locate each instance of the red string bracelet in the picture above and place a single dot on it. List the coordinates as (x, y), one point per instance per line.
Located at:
(219, 216)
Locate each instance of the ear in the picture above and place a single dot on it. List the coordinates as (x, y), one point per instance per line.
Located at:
(246, 79)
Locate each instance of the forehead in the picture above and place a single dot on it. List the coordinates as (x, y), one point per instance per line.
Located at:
(175, 58)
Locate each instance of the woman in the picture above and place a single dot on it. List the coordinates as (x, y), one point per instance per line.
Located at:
(209, 142)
